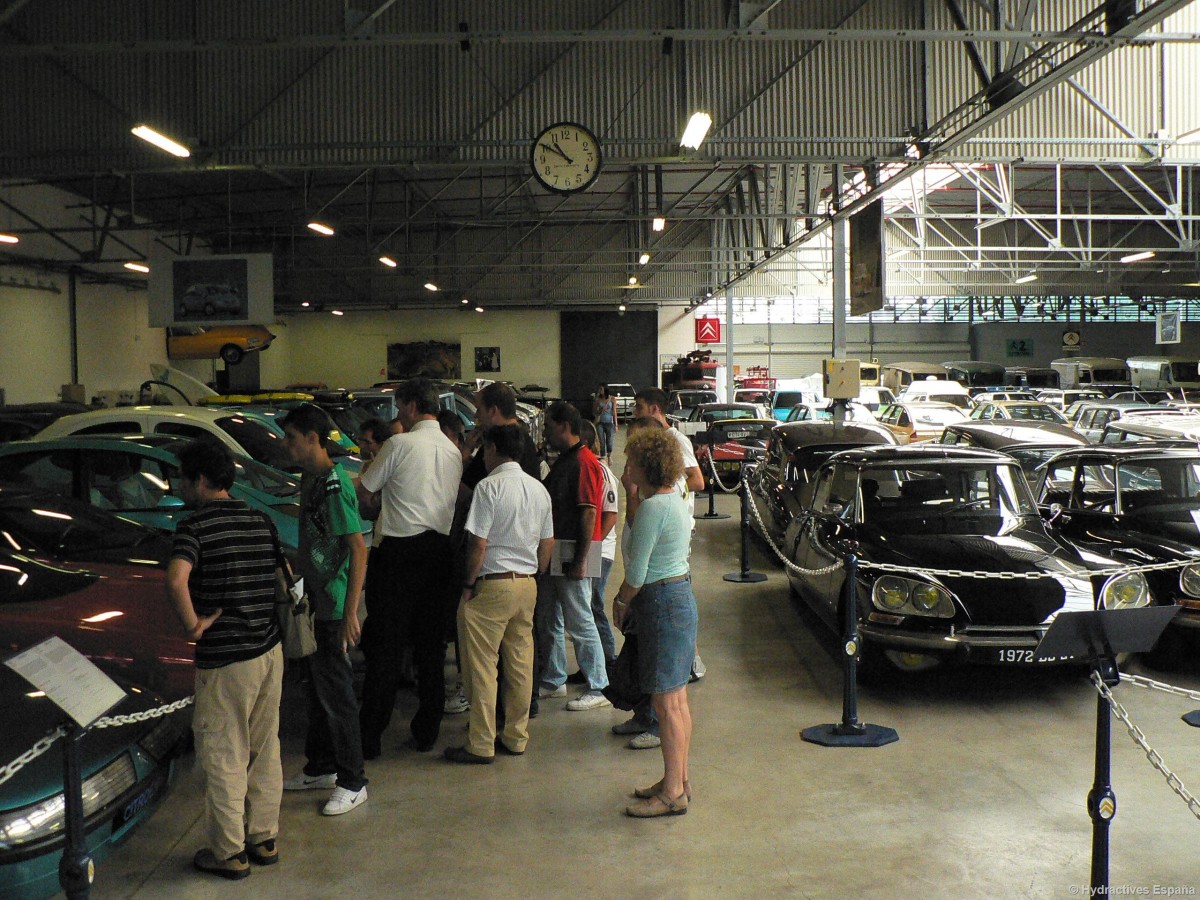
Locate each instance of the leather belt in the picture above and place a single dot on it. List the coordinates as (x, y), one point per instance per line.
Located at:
(491, 576)
(674, 579)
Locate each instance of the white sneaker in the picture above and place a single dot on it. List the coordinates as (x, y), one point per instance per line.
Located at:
(647, 740)
(304, 782)
(544, 691)
(456, 701)
(699, 670)
(343, 801)
(590, 700)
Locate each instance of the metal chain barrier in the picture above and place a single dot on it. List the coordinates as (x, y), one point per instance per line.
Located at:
(133, 718)
(712, 467)
(1144, 682)
(1139, 738)
(7, 772)
(1024, 576)
(762, 530)
(45, 743)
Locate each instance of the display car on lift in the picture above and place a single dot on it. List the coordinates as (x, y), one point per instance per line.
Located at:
(726, 445)
(228, 342)
(950, 509)
(1138, 503)
(96, 581)
(781, 484)
(126, 772)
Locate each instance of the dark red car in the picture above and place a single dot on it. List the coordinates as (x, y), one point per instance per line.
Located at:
(727, 444)
(95, 580)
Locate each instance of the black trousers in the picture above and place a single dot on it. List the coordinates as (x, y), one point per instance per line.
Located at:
(407, 586)
(333, 743)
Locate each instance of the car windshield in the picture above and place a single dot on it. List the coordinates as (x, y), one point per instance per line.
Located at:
(267, 479)
(1032, 457)
(693, 398)
(976, 498)
(1039, 412)
(1153, 484)
(257, 439)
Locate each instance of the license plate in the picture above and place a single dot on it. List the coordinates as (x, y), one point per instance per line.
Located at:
(1010, 656)
(736, 435)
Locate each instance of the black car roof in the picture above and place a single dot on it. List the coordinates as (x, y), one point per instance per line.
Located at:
(804, 434)
(921, 453)
(1134, 450)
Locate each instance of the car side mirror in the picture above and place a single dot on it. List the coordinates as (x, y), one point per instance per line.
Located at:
(170, 501)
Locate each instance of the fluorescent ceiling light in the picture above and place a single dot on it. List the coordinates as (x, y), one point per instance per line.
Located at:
(643, 259)
(479, 309)
(632, 280)
(338, 312)
(9, 239)
(1025, 279)
(621, 307)
(161, 141)
(659, 223)
(305, 304)
(697, 128)
(137, 267)
(388, 261)
(430, 286)
(465, 300)
(321, 229)
(1138, 257)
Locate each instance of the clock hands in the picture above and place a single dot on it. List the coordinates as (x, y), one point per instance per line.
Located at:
(556, 149)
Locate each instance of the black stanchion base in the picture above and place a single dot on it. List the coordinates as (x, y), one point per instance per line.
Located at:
(714, 515)
(747, 578)
(1192, 718)
(840, 736)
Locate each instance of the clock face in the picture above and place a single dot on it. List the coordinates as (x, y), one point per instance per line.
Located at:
(566, 158)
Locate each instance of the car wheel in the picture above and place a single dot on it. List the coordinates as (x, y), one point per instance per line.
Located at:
(209, 309)
(231, 354)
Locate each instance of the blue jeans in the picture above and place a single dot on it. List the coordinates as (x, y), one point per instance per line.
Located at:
(561, 599)
(333, 743)
(607, 432)
(598, 613)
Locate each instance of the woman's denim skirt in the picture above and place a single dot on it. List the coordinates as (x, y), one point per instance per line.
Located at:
(665, 616)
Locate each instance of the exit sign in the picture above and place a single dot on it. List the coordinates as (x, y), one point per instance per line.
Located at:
(1018, 347)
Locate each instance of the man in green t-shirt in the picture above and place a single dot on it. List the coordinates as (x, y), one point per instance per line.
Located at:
(333, 562)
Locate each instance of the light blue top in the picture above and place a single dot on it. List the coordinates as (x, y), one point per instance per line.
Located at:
(659, 540)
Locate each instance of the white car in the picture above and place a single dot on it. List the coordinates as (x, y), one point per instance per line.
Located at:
(623, 394)
(243, 434)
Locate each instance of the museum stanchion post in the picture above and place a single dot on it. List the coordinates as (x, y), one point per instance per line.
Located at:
(744, 576)
(850, 732)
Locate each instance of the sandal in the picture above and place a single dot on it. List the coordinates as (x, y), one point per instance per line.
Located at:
(658, 805)
(653, 791)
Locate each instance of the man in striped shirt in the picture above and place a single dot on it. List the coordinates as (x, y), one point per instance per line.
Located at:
(221, 582)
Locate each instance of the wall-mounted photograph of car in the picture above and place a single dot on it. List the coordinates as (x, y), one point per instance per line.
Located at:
(210, 301)
(228, 342)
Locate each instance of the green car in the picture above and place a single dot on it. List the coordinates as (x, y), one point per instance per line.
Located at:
(137, 477)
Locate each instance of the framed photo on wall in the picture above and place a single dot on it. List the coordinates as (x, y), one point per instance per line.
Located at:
(1167, 328)
(487, 359)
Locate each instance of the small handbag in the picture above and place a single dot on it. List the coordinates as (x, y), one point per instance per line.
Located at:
(295, 615)
(624, 689)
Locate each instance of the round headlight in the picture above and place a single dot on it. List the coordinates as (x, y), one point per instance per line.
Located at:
(1189, 580)
(925, 596)
(1125, 592)
(891, 593)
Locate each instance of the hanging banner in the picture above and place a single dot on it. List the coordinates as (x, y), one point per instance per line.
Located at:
(866, 260)
(708, 331)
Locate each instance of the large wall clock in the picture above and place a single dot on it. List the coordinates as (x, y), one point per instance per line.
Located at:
(566, 158)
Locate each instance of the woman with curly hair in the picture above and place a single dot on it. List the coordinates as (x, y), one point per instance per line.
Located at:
(656, 601)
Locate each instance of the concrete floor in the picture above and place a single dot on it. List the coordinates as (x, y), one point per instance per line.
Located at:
(983, 795)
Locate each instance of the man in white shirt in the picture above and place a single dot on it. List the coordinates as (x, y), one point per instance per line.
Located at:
(510, 534)
(415, 480)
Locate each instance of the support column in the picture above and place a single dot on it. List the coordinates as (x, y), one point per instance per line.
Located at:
(728, 345)
(840, 294)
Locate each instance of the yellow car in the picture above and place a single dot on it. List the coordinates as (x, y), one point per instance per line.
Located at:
(227, 342)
